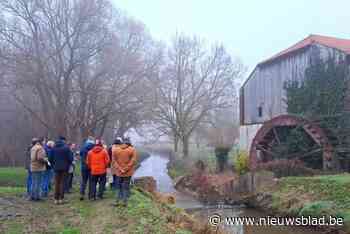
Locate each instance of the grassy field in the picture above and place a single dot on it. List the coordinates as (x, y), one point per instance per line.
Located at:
(315, 196)
(12, 176)
(143, 214)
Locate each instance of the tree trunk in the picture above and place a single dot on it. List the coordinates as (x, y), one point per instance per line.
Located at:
(198, 144)
(84, 132)
(185, 146)
(103, 127)
(176, 144)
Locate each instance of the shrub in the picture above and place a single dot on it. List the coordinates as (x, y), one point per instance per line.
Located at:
(241, 162)
(178, 167)
(221, 154)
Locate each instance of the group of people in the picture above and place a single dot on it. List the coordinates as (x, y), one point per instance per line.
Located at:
(59, 158)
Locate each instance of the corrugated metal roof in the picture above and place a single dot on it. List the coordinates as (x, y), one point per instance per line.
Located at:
(332, 42)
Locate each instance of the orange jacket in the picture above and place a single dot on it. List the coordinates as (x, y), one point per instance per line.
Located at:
(97, 160)
(124, 160)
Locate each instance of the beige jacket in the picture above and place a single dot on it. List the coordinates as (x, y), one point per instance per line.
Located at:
(37, 158)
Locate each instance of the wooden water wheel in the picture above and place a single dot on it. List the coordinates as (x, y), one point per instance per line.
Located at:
(268, 137)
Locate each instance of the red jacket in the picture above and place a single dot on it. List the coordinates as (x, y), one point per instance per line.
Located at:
(97, 160)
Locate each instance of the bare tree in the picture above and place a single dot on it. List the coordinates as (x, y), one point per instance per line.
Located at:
(80, 61)
(194, 82)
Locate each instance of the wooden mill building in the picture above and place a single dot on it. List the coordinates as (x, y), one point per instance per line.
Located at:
(262, 94)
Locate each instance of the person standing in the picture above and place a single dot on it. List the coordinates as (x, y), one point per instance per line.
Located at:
(27, 162)
(48, 174)
(85, 171)
(37, 167)
(97, 161)
(117, 142)
(124, 162)
(62, 158)
(68, 184)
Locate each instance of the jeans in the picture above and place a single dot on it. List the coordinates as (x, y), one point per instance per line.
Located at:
(101, 180)
(46, 185)
(29, 182)
(37, 177)
(68, 184)
(59, 184)
(114, 183)
(85, 179)
(123, 187)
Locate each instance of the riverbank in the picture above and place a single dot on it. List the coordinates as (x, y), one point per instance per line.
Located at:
(143, 215)
(316, 196)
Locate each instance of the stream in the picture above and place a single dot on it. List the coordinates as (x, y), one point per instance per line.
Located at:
(156, 166)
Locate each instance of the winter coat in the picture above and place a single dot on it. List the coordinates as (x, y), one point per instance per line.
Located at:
(83, 154)
(124, 160)
(113, 170)
(62, 156)
(97, 160)
(37, 158)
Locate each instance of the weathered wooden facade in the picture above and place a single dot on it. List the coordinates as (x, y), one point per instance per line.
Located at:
(262, 96)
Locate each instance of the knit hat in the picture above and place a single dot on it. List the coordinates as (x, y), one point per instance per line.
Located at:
(127, 141)
(50, 143)
(118, 141)
(62, 138)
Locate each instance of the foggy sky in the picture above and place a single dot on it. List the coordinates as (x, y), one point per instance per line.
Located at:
(253, 30)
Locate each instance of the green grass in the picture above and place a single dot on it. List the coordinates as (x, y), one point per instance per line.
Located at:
(147, 215)
(12, 191)
(315, 196)
(15, 228)
(12, 176)
(143, 215)
(70, 231)
(334, 188)
(318, 209)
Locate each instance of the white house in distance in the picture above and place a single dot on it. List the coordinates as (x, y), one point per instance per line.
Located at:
(262, 94)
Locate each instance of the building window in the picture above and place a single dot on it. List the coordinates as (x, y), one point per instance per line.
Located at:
(260, 111)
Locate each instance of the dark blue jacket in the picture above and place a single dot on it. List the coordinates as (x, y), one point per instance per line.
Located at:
(83, 154)
(48, 151)
(62, 156)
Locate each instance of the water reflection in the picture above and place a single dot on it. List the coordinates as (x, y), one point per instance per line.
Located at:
(156, 166)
